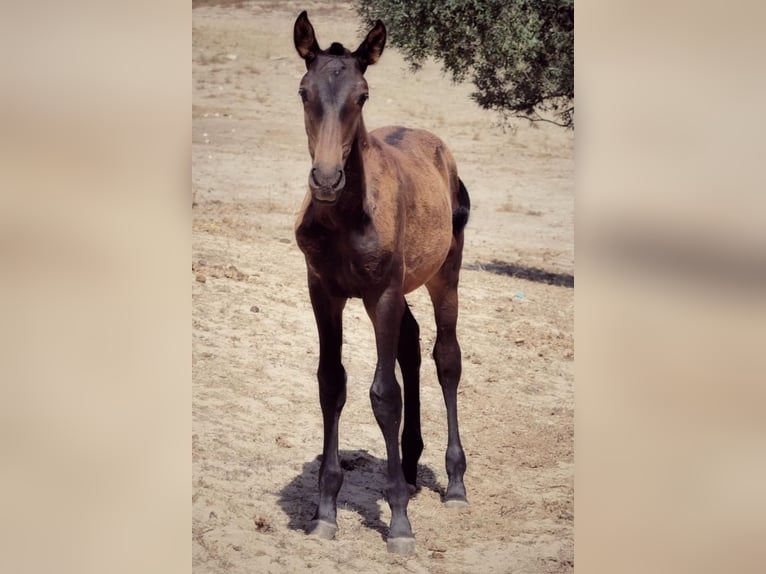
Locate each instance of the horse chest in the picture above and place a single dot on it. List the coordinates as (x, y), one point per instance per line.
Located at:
(348, 264)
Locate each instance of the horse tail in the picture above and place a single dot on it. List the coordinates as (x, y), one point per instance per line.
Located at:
(461, 211)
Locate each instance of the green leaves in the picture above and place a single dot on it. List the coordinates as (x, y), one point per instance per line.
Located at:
(518, 53)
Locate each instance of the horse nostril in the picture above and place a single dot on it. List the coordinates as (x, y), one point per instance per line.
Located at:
(319, 179)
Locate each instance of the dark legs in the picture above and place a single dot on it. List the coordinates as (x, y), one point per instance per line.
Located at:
(397, 338)
(386, 313)
(408, 356)
(443, 291)
(332, 396)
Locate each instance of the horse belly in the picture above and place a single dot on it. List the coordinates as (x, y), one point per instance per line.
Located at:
(428, 238)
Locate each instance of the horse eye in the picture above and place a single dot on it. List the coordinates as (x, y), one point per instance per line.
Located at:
(363, 98)
(303, 95)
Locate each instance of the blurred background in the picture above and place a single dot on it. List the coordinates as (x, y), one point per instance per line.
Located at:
(94, 220)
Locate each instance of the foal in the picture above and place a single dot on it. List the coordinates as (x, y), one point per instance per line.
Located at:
(384, 214)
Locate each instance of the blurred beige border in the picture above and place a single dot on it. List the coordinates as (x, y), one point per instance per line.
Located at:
(671, 284)
(94, 236)
(95, 240)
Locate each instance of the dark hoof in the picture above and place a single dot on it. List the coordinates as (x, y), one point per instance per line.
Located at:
(322, 529)
(456, 503)
(401, 546)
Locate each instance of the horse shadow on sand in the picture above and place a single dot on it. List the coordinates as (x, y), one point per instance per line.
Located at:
(364, 482)
(523, 272)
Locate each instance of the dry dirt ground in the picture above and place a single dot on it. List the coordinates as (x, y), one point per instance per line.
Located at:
(256, 417)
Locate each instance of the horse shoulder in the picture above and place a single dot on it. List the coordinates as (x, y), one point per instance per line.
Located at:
(385, 205)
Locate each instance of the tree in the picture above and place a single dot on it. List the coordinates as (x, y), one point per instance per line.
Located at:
(519, 53)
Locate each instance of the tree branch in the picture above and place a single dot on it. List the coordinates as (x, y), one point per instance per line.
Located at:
(539, 118)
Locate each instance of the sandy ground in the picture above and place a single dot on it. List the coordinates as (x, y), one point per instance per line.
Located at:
(256, 417)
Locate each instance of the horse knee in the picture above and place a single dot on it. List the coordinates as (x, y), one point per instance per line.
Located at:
(386, 402)
(332, 384)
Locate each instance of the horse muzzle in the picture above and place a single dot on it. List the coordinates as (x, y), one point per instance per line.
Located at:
(326, 185)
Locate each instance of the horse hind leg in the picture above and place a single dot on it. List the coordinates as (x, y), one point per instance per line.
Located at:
(408, 355)
(443, 291)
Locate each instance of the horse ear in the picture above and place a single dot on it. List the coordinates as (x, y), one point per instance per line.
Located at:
(305, 40)
(370, 50)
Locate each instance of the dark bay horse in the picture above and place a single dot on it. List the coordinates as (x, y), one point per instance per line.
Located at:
(383, 215)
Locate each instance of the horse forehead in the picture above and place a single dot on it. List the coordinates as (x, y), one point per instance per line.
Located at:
(333, 66)
(336, 72)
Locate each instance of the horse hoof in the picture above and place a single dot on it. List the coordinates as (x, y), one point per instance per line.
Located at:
(456, 503)
(323, 529)
(401, 546)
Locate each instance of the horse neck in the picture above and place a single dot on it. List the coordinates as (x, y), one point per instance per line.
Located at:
(355, 172)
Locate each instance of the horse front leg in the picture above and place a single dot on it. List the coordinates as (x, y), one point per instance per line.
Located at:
(385, 395)
(331, 376)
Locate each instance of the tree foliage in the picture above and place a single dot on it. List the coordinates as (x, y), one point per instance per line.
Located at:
(518, 53)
